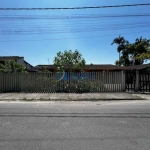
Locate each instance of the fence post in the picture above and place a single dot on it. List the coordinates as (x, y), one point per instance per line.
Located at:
(103, 81)
(137, 81)
(123, 81)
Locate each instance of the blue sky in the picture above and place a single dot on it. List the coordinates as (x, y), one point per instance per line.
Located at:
(95, 46)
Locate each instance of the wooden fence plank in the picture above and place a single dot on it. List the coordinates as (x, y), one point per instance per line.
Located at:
(16, 83)
(4, 75)
(53, 84)
(50, 80)
(115, 81)
(1, 82)
(95, 84)
(100, 81)
(118, 82)
(149, 81)
(48, 76)
(76, 82)
(103, 90)
(109, 81)
(96, 80)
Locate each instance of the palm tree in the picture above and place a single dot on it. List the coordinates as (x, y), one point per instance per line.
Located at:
(138, 40)
(121, 42)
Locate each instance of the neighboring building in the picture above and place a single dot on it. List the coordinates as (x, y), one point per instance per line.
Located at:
(144, 67)
(103, 67)
(88, 68)
(20, 60)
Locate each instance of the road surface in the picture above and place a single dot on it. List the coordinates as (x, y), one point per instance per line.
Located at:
(75, 125)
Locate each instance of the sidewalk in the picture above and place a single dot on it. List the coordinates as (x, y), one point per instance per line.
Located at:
(70, 96)
(144, 96)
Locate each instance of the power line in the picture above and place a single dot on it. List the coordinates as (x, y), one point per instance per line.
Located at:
(73, 30)
(5, 53)
(73, 38)
(55, 26)
(5, 20)
(68, 17)
(67, 8)
(64, 22)
(5, 23)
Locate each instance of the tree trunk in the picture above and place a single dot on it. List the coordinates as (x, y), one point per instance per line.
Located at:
(119, 58)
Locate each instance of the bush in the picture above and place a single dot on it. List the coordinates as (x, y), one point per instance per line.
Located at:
(79, 86)
(45, 83)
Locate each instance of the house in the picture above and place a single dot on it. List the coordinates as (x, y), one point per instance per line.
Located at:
(20, 60)
(88, 68)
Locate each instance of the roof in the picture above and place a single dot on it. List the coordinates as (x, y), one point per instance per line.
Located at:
(103, 66)
(91, 66)
(137, 67)
(47, 66)
(28, 63)
(9, 57)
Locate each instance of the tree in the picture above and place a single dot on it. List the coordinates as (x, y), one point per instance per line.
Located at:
(43, 70)
(140, 50)
(132, 53)
(121, 42)
(69, 61)
(117, 63)
(12, 66)
(143, 56)
(2, 68)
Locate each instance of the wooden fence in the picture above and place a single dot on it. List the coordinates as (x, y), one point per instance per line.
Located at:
(62, 82)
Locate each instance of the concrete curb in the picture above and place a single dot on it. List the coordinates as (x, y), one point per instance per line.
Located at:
(73, 97)
(92, 100)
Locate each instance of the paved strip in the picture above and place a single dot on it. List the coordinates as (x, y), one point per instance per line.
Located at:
(68, 96)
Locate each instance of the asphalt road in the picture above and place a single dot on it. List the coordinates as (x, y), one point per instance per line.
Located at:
(75, 125)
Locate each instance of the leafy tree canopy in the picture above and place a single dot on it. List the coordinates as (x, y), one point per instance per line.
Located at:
(2, 68)
(43, 70)
(12, 66)
(132, 53)
(69, 61)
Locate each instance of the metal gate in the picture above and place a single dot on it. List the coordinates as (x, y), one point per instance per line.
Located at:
(137, 81)
(144, 81)
(130, 80)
